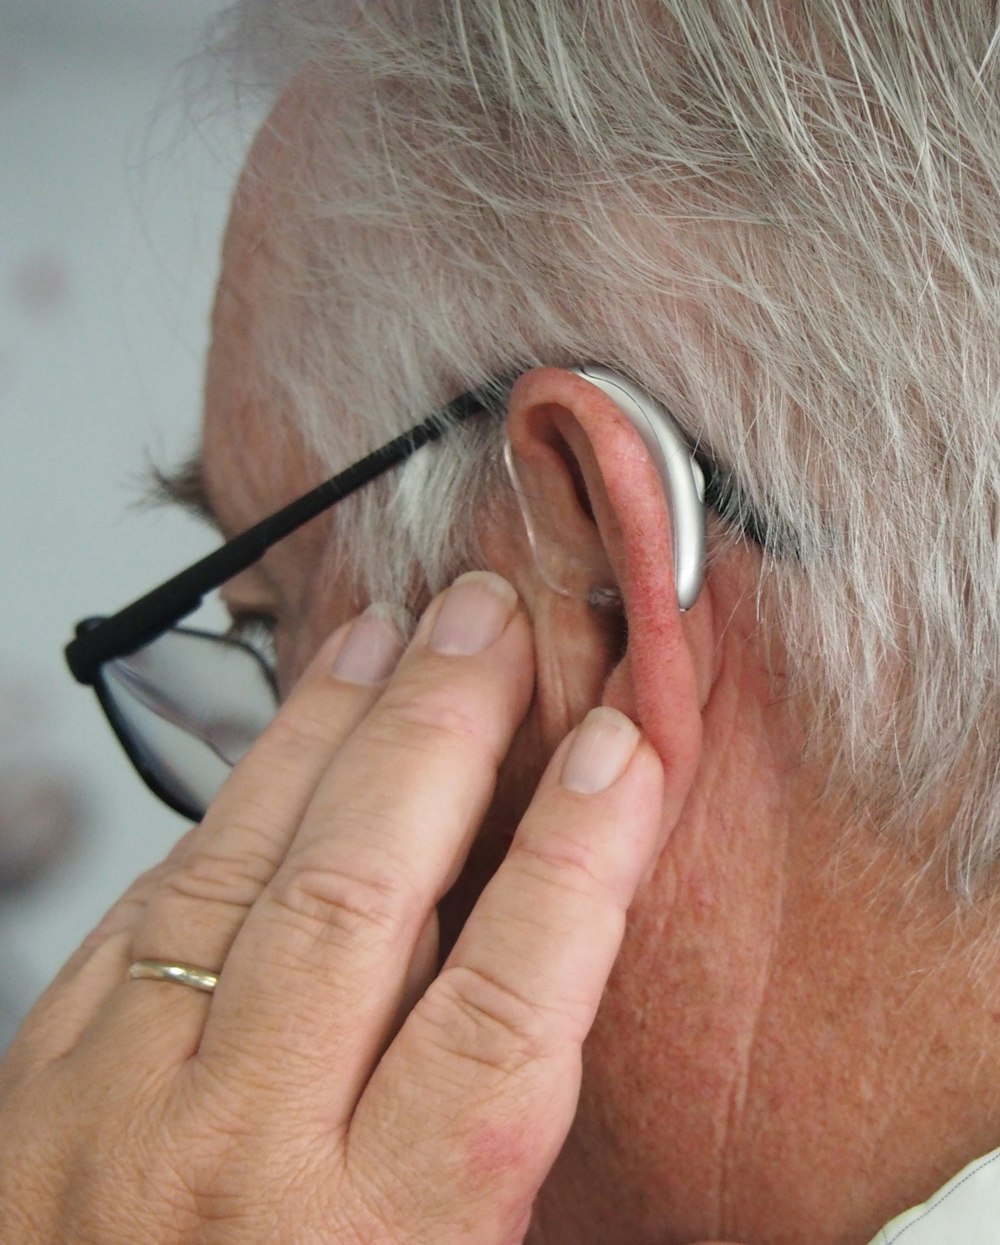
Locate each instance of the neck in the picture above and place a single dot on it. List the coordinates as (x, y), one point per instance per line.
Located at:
(810, 1094)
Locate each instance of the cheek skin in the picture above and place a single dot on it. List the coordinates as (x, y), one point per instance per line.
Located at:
(325, 604)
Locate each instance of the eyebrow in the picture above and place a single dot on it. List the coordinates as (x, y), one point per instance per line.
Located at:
(184, 486)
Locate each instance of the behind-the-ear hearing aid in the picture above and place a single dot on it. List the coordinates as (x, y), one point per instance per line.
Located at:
(680, 475)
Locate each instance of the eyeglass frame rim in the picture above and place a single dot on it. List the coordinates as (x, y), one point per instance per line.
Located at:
(98, 640)
(128, 737)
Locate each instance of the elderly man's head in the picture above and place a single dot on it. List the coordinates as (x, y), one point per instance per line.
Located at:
(780, 222)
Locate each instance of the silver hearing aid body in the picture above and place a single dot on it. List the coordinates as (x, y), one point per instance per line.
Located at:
(681, 477)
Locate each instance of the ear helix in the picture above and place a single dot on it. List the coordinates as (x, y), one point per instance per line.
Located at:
(683, 486)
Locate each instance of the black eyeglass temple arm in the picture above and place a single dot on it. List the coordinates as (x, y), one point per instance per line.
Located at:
(143, 620)
(100, 640)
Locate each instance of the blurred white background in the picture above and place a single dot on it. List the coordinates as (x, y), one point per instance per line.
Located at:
(112, 203)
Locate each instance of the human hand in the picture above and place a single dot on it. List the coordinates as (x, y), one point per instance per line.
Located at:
(336, 1086)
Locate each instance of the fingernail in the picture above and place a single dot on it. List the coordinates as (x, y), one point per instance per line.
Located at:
(474, 613)
(604, 744)
(371, 651)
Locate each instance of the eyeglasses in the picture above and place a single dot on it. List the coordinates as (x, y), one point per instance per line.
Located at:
(187, 704)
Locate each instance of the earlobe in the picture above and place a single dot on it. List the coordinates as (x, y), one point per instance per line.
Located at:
(599, 504)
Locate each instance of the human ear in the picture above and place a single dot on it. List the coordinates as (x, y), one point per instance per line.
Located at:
(600, 512)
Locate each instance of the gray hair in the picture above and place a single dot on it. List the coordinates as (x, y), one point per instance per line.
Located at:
(781, 220)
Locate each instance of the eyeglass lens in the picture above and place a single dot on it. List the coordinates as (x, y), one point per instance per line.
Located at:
(187, 707)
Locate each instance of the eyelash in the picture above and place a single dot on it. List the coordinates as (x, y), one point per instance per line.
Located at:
(256, 631)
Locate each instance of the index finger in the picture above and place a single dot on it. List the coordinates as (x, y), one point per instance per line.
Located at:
(490, 1057)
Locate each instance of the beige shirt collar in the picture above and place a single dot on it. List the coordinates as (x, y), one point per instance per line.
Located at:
(965, 1212)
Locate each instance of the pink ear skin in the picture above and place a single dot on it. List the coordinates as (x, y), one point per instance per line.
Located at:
(580, 446)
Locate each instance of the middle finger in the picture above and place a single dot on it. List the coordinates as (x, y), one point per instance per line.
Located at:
(313, 982)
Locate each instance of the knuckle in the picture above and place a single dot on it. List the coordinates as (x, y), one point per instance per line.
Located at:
(240, 1169)
(302, 721)
(562, 862)
(121, 917)
(269, 766)
(452, 701)
(478, 1018)
(210, 877)
(347, 904)
(432, 722)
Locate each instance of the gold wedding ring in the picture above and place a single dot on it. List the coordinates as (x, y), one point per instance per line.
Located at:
(168, 970)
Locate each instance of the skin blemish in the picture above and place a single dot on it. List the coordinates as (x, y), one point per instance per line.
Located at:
(500, 1154)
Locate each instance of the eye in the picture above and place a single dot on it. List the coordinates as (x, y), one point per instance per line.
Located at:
(257, 632)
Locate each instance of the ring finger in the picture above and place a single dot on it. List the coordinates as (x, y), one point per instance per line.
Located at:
(191, 911)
